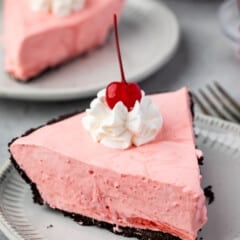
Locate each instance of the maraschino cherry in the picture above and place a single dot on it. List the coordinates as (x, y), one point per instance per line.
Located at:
(128, 93)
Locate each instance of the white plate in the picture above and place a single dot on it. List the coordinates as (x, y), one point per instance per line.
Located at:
(149, 34)
(21, 219)
(229, 18)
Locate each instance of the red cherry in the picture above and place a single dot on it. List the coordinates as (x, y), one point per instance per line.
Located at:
(128, 93)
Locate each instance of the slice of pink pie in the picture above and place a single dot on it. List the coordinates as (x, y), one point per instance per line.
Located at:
(36, 41)
(150, 192)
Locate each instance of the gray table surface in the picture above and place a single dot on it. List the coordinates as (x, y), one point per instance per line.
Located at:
(204, 55)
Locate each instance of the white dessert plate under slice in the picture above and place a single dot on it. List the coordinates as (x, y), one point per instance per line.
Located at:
(20, 219)
(149, 34)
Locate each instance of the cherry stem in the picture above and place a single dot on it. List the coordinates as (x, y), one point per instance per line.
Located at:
(118, 49)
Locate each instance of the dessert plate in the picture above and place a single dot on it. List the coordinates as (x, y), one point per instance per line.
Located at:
(20, 219)
(149, 34)
(229, 18)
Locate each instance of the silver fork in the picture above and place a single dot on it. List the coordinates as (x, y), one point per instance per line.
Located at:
(214, 100)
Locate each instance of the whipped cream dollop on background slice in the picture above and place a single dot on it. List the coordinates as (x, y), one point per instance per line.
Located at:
(57, 7)
(119, 128)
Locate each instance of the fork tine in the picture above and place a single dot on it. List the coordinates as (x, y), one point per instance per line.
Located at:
(233, 102)
(200, 104)
(224, 105)
(212, 105)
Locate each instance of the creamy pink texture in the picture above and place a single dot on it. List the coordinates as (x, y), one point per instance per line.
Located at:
(35, 41)
(155, 186)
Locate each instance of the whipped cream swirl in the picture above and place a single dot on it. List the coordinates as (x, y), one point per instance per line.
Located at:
(57, 7)
(119, 128)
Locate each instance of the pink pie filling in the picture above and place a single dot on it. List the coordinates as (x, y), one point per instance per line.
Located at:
(35, 41)
(155, 186)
